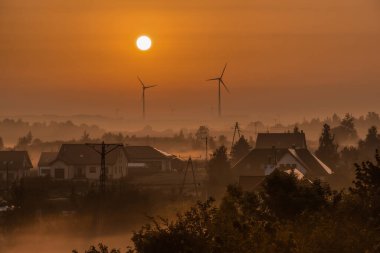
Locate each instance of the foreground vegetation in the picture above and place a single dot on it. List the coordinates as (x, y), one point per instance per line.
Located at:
(285, 215)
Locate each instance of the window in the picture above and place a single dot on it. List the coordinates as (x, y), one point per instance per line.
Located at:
(79, 172)
(45, 172)
(59, 173)
(92, 169)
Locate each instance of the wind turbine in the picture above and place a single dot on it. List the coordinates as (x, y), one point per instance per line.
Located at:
(220, 81)
(144, 87)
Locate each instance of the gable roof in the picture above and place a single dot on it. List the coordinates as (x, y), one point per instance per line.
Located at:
(281, 140)
(145, 153)
(46, 158)
(310, 162)
(81, 154)
(256, 159)
(16, 159)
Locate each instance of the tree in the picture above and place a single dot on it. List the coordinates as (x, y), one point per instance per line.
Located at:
(287, 196)
(191, 232)
(335, 119)
(343, 175)
(109, 137)
(85, 137)
(101, 249)
(372, 118)
(219, 170)
(367, 186)
(202, 133)
(346, 132)
(25, 140)
(222, 140)
(328, 150)
(368, 146)
(240, 149)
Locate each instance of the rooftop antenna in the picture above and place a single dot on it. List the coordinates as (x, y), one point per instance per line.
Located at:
(220, 82)
(236, 131)
(144, 87)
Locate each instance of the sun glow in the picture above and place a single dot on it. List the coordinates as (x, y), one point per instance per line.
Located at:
(143, 43)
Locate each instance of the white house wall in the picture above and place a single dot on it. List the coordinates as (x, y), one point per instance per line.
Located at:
(59, 165)
(289, 159)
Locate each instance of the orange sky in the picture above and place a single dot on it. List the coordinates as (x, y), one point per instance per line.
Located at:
(290, 58)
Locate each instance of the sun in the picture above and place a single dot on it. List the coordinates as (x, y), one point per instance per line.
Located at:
(143, 43)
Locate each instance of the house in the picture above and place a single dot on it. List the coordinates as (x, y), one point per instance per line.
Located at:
(281, 140)
(262, 162)
(14, 165)
(81, 162)
(147, 159)
(285, 151)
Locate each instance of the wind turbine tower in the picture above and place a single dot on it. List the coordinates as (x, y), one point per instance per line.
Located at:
(144, 87)
(220, 82)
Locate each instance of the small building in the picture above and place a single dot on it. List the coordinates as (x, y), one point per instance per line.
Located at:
(81, 162)
(147, 159)
(14, 165)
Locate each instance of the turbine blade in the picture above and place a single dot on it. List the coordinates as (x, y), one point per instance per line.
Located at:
(225, 86)
(225, 66)
(151, 86)
(213, 79)
(141, 81)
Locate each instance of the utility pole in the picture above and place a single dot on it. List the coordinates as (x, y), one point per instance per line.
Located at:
(236, 130)
(103, 149)
(191, 165)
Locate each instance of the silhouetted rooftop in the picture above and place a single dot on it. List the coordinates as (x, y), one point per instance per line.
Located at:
(15, 160)
(281, 140)
(81, 154)
(145, 153)
(46, 158)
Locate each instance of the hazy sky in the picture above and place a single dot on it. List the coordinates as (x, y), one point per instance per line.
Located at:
(286, 58)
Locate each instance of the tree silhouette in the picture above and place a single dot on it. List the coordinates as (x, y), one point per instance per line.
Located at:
(85, 137)
(25, 140)
(219, 169)
(346, 131)
(328, 149)
(202, 133)
(240, 149)
(367, 186)
(369, 145)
